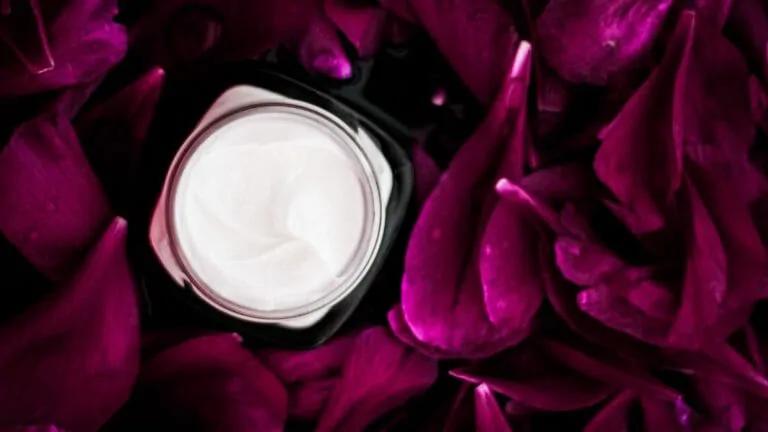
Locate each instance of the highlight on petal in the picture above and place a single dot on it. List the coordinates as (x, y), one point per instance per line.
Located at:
(379, 375)
(537, 381)
(488, 415)
(74, 43)
(599, 41)
(23, 30)
(482, 49)
(71, 360)
(442, 290)
(113, 133)
(320, 51)
(53, 205)
(210, 383)
(363, 25)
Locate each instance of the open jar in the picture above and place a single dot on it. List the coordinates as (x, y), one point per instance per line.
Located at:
(276, 210)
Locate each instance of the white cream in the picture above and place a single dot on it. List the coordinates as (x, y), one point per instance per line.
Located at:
(270, 210)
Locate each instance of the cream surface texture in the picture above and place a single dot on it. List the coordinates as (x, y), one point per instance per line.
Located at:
(270, 210)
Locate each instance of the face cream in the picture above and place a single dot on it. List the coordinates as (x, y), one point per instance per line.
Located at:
(273, 210)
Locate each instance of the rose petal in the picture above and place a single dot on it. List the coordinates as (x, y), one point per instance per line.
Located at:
(320, 51)
(79, 43)
(597, 41)
(61, 209)
(210, 383)
(442, 296)
(640, 159)
(22, 28)
(379, 375)
(363, 25)
(72, 359)
(488, 415)
(481, 50)
(306, 401)
(614, 415)
(705, 279)
(298, 366)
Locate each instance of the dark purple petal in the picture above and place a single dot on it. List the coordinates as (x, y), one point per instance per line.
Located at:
(379, 374)
(363, 25)
(306, 400)
(661, 416)
(640, 159)
(559, 390)
(320, 51)
(47, 428)
(442, 292)
(210, 383)
(298, 366)
(614, 371)
(481, 51)
(78, 44)
(597, 41)
(704, 287)
(585, 263)
(60, 209)
(748, 26)
(724, 405)
(72, 359)
(613, 416)
(488, 415)
(23, 30)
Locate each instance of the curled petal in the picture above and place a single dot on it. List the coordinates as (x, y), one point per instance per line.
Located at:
(61, 208)
(73, 43)
(72, 359)
(488, 415)
(210, 383)
(378, 375)
(640, 159)
(442, 296)
(597, 41)
(362, 25)
(320, 51)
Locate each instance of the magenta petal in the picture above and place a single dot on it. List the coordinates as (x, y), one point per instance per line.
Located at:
(379, 375)
(597, 41)
(306, 400)
(61, 209)
(704, 287)
(488, 415)
(509, 265)
(297, 366)
(724, 404)
(557, 391)
(640, 159)
(584, 263)
(401, 330)
(362, 25)
(83, 42)
(482, 49)
(615, 372)
(211, 383)
(442, 296)
(613, 416)
(47, 428)
(72, 359)
(320, 51)
(23, 30)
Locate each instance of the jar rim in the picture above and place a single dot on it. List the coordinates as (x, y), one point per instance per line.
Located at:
(363, 257)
